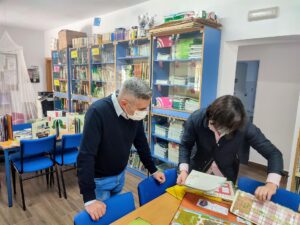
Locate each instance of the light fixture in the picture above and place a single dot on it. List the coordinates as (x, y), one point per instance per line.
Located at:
(262, 14)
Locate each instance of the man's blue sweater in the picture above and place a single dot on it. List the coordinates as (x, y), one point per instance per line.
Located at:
(105, 146)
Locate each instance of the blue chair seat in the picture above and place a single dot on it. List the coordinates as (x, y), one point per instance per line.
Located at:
(33, 164)
(70, 157)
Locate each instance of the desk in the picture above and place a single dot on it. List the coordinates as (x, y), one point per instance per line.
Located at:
(8, 147)
(159, 211)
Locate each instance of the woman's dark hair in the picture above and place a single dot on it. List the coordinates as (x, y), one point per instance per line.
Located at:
(227, 112)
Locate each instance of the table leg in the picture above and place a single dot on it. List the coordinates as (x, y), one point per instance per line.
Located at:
(8, 180)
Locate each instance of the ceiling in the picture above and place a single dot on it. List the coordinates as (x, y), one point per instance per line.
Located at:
(48, 14)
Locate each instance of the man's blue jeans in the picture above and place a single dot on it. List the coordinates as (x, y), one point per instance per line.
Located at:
(109, 186)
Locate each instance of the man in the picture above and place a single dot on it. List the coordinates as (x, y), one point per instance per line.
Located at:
(112, 125)
(220, 132)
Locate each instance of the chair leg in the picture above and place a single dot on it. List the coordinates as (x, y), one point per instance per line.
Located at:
(22, 191)
(47, 176)
(51, 176)
(13, 173)
(58, 184)
(63, 181)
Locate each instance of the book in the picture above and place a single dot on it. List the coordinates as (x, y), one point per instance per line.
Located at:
(139, 221)
(204, 181)
(195, 209)
(225, 192)
(40, 129)
(247, 206)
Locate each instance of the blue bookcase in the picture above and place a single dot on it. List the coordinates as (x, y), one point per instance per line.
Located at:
(61, 78)
(184, 79)
(80, 79)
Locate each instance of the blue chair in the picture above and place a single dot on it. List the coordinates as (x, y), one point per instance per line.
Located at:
(36, 155)
(149, 188)
(67, 155)
(116, 207)
(282, 197)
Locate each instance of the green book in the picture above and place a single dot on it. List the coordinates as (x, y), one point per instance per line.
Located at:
(139, 221)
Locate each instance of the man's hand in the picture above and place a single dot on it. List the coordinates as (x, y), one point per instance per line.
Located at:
(182, 177)
(265, 192)
(159, 176)
(96, 210)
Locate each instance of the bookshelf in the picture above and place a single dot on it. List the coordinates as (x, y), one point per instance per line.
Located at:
(80, 80)
(184, 79)
(102, 70)
(295, 186)
(61, 78)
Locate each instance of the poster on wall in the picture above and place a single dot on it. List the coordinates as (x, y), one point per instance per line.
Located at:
(34, 74)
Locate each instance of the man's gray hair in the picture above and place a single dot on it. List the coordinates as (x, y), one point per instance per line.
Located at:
(136, 87)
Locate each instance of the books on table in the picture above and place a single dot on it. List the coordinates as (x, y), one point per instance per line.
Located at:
(246, 205)
(199, 210)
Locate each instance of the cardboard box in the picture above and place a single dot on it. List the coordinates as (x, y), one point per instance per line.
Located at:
(65, 38)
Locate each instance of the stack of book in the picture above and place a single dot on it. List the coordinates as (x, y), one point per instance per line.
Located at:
(173, 152)
(80, 42)
(161, 149)
(139, 50)
(178, 103)
(175, 130)
(191, 104)
(161, 130)
(195, 51)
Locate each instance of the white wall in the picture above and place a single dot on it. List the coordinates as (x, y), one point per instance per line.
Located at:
(32, 42)
(277, 93)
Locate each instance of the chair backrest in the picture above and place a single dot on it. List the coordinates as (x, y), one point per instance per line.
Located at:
(282, 197)
(38, 146)
(70, 141)
(116, 207)
(149, 188)
(21, 126)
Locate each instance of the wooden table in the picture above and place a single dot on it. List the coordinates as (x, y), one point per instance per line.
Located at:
(159, 211)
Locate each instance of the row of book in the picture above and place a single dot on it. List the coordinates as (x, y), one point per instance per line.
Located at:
(135, 162)
(80, 87)
(79, 56)
(60, 72)
(172, 130)
(139, 70)
(139, 50)
(102, 89)
(80, 72)
(165, 150)
(79, 106)
(101, 55)
(80, 42)
(103, 74)
(61, 86)
(6, 131)
(178, 103)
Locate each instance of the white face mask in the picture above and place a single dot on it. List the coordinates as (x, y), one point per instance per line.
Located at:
(138, 115)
